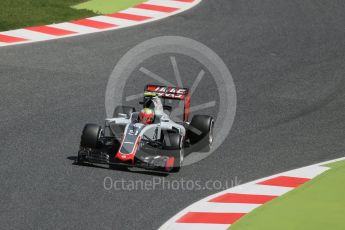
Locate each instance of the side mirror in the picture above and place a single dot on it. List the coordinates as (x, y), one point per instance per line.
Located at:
(123, 115)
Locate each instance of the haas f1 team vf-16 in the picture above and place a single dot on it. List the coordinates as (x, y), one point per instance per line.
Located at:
(149, 138)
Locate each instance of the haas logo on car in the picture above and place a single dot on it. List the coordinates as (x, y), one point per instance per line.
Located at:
(174, 93)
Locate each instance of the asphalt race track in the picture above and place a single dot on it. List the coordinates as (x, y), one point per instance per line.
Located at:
(287, 60)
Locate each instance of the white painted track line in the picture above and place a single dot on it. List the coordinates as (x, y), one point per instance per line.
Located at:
(28, 34)
(222, 207)
(147, 13)
(261, 189)
(112, 20)
(169, 3)
(307, 172)
(74, 27)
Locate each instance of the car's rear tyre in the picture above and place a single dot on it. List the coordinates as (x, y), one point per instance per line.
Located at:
(200, 131)
(90, 137)
(173, 146)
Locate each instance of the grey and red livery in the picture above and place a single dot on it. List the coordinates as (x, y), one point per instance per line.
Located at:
(124, 141)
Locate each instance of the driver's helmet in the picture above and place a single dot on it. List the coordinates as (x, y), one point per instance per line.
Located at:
(146, 116)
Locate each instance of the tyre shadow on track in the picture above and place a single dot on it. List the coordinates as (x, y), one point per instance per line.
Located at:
(152, 173)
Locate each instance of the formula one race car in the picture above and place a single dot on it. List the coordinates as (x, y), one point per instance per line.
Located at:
(148, 139)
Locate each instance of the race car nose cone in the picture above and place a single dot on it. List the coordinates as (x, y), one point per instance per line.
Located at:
(124, 157)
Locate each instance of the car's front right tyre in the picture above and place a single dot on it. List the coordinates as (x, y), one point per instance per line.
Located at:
(173, 145)
(90, 137)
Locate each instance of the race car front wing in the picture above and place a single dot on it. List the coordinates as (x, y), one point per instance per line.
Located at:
(101, 156)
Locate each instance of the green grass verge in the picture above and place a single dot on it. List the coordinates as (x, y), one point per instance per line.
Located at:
(23, 13)
(317, 205)
(107, 6)
(16, 14)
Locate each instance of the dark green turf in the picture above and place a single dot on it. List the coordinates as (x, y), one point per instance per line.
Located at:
(23, 13)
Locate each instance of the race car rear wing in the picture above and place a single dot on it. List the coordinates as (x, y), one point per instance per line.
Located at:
(168, 92)
(173, 93)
